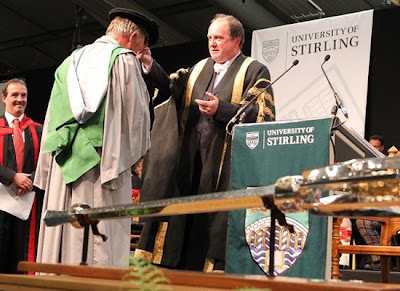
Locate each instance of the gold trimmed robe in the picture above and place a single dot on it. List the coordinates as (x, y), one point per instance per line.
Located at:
(186, 241)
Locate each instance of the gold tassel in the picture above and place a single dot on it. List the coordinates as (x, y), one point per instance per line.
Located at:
(263, 109)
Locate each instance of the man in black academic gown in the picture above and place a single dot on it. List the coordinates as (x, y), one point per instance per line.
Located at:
(204, 98)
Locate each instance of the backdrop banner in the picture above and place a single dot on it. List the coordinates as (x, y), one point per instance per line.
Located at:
(261, 153)
(304, 92)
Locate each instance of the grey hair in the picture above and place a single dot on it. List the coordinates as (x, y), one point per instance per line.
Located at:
(125, 27)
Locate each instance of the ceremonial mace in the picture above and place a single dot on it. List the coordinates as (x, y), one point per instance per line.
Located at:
(367, 187)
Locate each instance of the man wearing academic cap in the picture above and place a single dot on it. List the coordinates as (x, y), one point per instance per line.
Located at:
(97, 127)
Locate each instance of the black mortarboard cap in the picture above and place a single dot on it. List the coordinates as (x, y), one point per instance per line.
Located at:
(149, 25)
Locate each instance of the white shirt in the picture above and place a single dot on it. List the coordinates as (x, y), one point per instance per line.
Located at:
(221, 69)
(147, 71)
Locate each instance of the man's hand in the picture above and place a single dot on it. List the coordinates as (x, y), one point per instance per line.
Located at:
(24, 184)
(20, 192)
(144, 56)
(208, 107)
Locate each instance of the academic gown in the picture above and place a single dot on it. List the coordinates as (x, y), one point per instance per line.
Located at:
(190, 165)
(126, 139)
(18, 238)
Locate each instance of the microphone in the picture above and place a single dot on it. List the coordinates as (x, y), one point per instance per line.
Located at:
(243, 108)
(339, 101)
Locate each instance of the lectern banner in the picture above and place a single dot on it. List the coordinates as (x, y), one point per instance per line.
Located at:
(261, 153)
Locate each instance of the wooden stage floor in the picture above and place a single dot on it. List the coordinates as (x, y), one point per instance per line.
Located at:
(99, 279)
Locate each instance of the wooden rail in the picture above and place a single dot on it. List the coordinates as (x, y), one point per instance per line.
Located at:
(79, 277)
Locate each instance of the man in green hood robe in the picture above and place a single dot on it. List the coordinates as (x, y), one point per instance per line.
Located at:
(97, 127)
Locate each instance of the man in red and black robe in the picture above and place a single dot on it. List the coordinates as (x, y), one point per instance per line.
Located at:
(18, 238)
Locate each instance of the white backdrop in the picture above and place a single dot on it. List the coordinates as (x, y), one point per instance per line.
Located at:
(304, 92)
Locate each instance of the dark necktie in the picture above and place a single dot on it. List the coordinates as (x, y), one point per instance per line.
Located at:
(215, 75)
(18, 145)
(211, 85)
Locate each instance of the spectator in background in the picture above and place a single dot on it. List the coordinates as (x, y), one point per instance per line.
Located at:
(377, 142)
(136, 181)
(370, 230)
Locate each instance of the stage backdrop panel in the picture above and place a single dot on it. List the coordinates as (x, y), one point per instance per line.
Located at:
(304, 91)
(261, 154)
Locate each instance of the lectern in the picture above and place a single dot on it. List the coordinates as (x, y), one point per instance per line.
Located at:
(263, 152)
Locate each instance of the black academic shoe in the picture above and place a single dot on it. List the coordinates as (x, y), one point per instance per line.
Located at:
(374, 266)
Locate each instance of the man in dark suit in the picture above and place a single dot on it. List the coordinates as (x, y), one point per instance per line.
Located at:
(19, 148)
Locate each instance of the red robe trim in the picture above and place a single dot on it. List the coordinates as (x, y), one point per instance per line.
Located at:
(5, 130)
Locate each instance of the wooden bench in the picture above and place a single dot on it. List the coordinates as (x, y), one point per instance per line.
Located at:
(135, 235)
(136, 230)
(390, 226)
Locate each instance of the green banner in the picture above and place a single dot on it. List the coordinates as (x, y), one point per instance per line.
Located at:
(261, 153)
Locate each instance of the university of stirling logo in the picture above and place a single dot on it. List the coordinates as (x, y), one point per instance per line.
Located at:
(288, 246)
(270, 49)
(252, 138)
